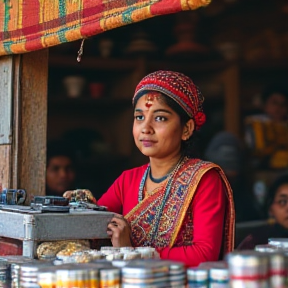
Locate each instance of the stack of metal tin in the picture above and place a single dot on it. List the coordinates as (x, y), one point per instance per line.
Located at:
(29, 274)
(110, 277)
(248, 269)
(277, 251)
(177, 274)
(209, 274)
(197, 277)
(144, 274)
(13, 267)
(3, 272)
(92, 275)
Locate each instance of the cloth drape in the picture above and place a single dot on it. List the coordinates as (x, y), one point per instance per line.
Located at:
(28, 25)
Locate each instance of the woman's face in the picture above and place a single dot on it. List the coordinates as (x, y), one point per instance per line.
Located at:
(279, 208)
(157, 129)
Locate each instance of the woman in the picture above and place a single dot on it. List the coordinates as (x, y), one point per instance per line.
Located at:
(277, 208)
(179, 204)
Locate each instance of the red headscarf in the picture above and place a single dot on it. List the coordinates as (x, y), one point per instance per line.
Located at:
(178, 87)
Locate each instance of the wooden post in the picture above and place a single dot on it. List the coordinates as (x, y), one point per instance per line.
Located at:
(23, 114)
(232, 99)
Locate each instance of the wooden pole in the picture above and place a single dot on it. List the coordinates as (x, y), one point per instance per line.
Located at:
(23, 98)
(232, 99)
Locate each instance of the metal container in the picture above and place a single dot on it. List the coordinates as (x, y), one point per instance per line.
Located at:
(219, 277)
(266, 248)
(146, 273)
(279, 242)
(247, 264)
(110, 278)
(46, 277)
(29, 273)
(197, 277)
(12, 260)
(32, 226)
(248, 269)
(3, 271)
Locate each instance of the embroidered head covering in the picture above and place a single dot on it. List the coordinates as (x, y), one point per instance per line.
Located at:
(178, 87)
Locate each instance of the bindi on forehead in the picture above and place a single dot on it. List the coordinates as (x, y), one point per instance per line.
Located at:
(150, 98)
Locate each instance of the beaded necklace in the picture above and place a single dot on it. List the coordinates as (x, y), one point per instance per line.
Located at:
(158, 180)
(166, 193)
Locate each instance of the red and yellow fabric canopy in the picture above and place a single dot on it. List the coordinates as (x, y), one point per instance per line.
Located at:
(28, 25)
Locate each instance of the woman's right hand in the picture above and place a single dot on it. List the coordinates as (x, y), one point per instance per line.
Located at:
(80, 195)
(68, 194)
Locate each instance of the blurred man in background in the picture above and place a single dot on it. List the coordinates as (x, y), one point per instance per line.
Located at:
(60, 170)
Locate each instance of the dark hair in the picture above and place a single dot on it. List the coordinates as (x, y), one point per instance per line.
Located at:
(283, 179)
(274, 88)
(59, 148)
(188, 147)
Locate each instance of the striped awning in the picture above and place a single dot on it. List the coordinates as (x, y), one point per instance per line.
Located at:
(28, 25)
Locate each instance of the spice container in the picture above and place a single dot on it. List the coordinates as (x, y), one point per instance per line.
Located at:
(132, 255)
(110, 278)
(197, 277)
(29, 274)
(146, 252)
(219, 277)
(3, 272)
(47, 277)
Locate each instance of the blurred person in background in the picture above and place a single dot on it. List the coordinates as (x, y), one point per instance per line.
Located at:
(266, 134)
(60, 170)
(277, 213)
(226, 150)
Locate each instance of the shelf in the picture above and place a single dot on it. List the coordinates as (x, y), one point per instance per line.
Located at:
(188, 66)
(86, 105)
(261, 66)
(117, 64)
(107, 64)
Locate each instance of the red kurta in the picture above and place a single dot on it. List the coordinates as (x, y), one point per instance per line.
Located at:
(208, 212)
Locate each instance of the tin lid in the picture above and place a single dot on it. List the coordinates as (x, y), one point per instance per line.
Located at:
(247, 258)
(278, 242)
(16, 259)
(158, 285)
(219, 274)
(119, 263)
(142, 268)
(211, 264)
(174, 267)
(32, 267)
(145, 281)
(266, 248)
(197, 274)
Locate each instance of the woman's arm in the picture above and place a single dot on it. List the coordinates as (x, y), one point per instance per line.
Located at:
(112, 199)
(208, 210)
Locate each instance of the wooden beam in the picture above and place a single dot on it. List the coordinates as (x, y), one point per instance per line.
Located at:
(25, 155)
(6, 72)
(232, 100)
